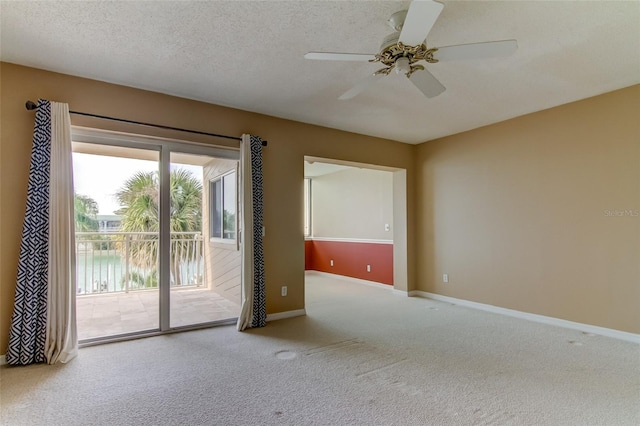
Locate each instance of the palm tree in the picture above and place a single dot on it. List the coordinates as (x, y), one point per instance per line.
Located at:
(139, 197)
(186, 202)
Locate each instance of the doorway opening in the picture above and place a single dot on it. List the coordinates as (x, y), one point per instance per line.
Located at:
(355, 222)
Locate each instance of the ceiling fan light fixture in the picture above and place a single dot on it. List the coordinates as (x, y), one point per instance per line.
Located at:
(403, 65)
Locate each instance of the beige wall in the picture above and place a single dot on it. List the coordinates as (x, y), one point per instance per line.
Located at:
(353, 203)
(289, 142)
(520, 213)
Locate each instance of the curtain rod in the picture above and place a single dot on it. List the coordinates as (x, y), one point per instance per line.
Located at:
(30, 105)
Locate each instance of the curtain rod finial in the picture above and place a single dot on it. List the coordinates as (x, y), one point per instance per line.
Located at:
(30, 105)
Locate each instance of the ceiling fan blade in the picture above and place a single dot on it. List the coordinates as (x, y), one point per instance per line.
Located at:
(489, 49)
(427, 83)
(420, 18)
(329, 56)
(360, 87)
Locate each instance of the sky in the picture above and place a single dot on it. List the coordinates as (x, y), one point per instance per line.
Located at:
(100, 176)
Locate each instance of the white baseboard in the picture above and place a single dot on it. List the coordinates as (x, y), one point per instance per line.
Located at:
(286, 314)
(3, 359)
(404, 293)
(353, 280)
(608, 332)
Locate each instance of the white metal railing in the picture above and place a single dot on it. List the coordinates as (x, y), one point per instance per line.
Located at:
(108, 262)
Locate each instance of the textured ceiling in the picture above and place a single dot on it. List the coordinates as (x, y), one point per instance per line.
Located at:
(249, 55)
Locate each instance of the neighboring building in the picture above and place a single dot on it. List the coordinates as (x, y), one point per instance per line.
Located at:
(109, 222)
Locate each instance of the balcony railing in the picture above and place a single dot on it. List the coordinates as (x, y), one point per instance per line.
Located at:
(108, 262)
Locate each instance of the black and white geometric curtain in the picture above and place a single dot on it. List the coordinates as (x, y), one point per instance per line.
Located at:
(253, 312)
(43, 325)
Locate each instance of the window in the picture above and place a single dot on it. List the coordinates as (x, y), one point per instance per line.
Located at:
(307, 207)
(222, 199)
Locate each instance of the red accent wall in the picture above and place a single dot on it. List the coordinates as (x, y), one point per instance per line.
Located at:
(308, 255)
(351, 259)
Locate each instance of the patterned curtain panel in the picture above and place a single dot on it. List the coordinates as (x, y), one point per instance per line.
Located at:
(43, 322)
(253, 312)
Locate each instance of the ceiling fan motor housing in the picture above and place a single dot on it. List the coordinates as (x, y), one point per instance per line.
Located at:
(390, 41)
(392, 49)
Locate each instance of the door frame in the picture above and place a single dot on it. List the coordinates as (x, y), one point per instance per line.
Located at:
(401, 273)
(164, 147)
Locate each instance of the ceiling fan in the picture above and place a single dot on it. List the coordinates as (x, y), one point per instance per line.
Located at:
(401, 50)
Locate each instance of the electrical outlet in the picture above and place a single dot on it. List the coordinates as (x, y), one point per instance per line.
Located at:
(283, 290)
(368, 268)
(331, 262)
(387, 227)
(445, 278)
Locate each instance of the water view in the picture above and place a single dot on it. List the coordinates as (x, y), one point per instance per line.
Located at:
(123, 261)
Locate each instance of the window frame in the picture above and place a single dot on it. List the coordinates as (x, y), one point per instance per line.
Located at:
(307, 228)
(220, 178)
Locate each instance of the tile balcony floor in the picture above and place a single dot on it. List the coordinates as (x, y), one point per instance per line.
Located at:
(100, 315)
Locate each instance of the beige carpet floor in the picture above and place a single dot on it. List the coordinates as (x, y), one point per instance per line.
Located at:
(362, 356)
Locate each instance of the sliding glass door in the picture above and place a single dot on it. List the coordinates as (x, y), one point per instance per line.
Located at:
(156, 228)
(117, 234)
(204, 252)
